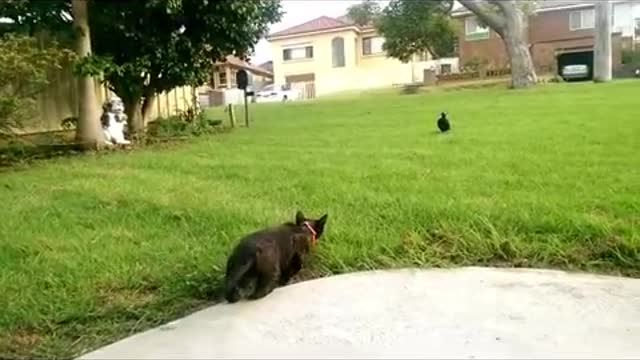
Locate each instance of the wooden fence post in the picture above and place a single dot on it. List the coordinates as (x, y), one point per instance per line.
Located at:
(232, 115)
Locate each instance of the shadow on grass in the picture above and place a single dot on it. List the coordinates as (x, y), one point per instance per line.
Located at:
(411, 89)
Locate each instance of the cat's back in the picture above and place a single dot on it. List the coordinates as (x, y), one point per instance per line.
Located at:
(270, 235)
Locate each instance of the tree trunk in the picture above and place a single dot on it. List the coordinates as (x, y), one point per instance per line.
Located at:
(195, 100)
(138, 111)
(146, 108)
(516, 39)
(133, 109)
(602, 46)
(511, 23)
(88, 131)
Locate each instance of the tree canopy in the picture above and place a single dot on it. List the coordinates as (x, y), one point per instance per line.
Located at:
(411, 27)
(146, 47)
(364, 13)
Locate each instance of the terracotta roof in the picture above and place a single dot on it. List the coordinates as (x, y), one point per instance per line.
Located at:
(317, 24)
(236, 62)
(267, 66)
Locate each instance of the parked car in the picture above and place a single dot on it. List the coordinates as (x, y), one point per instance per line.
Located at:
(575, 72)
(271, 93)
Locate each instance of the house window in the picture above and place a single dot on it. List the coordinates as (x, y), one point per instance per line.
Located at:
(232, 81)
(582, 19)
(445, 69)
(337, 52)
(222, 77)
(372, 45)
(297, 53)
(473, 30)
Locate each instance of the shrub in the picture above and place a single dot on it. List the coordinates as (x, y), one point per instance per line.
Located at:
(185, 123)
(24, 68)
(630, 56)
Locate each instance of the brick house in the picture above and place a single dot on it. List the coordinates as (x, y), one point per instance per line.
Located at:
(560, 33)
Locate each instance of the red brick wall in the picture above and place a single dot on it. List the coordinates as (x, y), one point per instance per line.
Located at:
(491, 49)
(548, 32)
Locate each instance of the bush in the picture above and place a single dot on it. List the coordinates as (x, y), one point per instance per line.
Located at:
(475, 64)
(630, 56)
(186, 123)
(24, 68)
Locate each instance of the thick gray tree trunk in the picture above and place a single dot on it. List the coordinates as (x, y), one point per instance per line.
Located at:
(602, 45)
(88, 131)
(516, 40)
(512, 24)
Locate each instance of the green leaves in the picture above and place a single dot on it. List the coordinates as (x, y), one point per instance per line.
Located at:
(149, 46)
(410, 27)
(24, 66)
(157, 45)
(364, 13)
(95, 65)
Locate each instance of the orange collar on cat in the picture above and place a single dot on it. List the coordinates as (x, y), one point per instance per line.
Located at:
(313, 232)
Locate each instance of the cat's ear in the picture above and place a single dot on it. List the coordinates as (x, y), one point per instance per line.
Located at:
(299, 218)
(319, 224)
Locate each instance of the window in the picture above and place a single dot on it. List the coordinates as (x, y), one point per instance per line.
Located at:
(473, 30)
(372, 45)
(582, 19)
(445, 69)
(337, 52)
(232, 81)
(297, 53)
(222, 78)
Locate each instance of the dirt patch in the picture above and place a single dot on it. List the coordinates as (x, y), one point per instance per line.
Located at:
(25, 338)
(124, 298)
(19, 343)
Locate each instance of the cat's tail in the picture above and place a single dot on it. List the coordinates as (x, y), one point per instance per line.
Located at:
(234, 274)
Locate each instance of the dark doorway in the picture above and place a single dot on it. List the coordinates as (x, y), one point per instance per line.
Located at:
(576, 58)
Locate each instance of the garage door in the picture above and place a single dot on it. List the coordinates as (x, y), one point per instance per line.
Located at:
(305, 83)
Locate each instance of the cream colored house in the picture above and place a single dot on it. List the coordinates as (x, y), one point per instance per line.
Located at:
(327, 55)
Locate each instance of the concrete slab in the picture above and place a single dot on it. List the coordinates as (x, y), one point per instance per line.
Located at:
(459, 313)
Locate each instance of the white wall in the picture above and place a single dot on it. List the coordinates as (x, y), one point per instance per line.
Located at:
(623, 19)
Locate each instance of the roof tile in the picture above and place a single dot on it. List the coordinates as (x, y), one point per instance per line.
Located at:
(317, 24)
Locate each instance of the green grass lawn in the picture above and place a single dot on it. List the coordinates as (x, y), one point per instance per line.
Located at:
(95, 248)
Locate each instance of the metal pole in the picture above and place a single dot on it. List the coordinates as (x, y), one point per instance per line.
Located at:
(246, 109)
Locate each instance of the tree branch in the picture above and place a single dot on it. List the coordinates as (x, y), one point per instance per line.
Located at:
(502, 5)
(495, 22)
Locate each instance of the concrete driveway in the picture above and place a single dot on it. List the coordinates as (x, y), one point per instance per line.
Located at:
(460, 313)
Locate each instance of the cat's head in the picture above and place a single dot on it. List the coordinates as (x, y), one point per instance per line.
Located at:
(314, 226)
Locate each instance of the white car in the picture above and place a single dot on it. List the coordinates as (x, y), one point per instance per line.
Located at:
(271, 93)
(571, 72)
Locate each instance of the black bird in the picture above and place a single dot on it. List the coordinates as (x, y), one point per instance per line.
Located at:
(443, 123)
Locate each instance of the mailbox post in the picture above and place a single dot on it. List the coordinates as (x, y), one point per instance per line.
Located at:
(242, 81)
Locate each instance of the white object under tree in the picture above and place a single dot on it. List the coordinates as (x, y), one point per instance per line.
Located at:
(602, 42)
